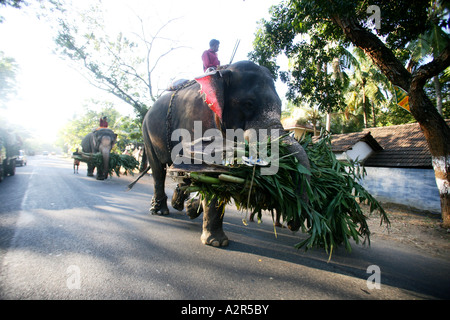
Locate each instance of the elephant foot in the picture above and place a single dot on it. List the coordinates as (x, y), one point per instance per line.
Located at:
(90, 174)
(217, 239)
(194, 208)
(159, 206)
(178, 198)
(293, 225)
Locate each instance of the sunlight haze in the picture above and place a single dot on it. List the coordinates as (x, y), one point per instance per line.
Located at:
(50, 90)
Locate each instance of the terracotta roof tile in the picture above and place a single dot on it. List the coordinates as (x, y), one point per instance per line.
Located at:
(402, 146)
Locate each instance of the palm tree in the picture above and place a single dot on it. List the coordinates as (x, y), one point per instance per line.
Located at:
(368, 87)
(429, 44)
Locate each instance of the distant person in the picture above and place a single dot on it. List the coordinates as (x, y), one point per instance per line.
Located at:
(209, 57)
(103, 122)
(76, 162)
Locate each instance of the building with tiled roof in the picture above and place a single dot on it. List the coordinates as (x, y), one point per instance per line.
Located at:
(291, 125)
(397, 161)
(404, 146)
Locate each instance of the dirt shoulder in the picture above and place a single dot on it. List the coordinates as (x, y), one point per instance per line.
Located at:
(417, 229)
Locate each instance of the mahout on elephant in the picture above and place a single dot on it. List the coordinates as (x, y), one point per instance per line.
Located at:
(242, 96)
(100, 140)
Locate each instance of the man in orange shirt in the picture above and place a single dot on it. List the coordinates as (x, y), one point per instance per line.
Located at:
(209, 57)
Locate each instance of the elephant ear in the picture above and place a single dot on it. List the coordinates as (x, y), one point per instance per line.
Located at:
(212, 90)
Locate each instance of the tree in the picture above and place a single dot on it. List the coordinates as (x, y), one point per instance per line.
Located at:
(77, 128)
(346, 22)
(311, 116)
(368, 88)
(13, 3)
(8, 70)
(431, 43)
(114, 62)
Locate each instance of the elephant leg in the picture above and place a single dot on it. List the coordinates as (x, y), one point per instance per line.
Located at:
(194, 208)
(159, 200)
(212, 224)
(252, 215)
(179, 196)
(90, 171)
(101, 175)
(276, 219)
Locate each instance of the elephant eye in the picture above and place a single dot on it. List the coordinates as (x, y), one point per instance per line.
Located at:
(248, 105)
(248, 108)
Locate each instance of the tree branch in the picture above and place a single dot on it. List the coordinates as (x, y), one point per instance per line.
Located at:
(433, 68)
(382, 56)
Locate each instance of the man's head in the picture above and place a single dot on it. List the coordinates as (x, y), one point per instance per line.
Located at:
(214, 45)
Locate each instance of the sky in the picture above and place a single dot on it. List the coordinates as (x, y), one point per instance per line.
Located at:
(50, 91)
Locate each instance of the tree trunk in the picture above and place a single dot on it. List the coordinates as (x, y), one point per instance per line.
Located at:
(364, 102)
(374, 115)
(436, 131)
(437, 87)
(328, 125)
(437, 134)
(441, 167)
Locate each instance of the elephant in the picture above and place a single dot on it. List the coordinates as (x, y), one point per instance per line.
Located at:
(240, 96)
(100, 140)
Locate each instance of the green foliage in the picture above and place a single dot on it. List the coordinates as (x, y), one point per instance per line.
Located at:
(13, 3)
(121, 161)
(321, 67)
(109, 60)
(403, 20)
(305, 44)
(8, 70)
(117, 162)
(335, 194)
(127, 129)
(123, 64)
(331, 217)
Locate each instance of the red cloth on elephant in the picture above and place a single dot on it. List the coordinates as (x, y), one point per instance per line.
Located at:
(210, 59)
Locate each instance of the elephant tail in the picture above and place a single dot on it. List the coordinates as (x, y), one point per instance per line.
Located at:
(131, 185)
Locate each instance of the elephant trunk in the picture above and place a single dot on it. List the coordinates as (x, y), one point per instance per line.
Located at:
(300, 153)
(105, 165)
(293, 147)
(105, 149)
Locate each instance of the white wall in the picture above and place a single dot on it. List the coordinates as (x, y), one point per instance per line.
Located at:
(361, 151)
(411, 187)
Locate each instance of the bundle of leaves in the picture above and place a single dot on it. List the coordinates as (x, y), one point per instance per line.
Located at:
(331, 216)
(117, 162)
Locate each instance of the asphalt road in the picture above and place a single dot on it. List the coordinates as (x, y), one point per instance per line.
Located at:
(69, 236)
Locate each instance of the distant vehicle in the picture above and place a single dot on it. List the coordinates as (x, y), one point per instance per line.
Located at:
(21, 159)
(45, 153)
(8, 154)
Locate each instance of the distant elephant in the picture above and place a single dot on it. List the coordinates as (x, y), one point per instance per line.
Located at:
(242, 96)
(100, 140)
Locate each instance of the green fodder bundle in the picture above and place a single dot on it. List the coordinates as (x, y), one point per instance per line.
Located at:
(122, 161)
(331, 216)
(116, 162)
